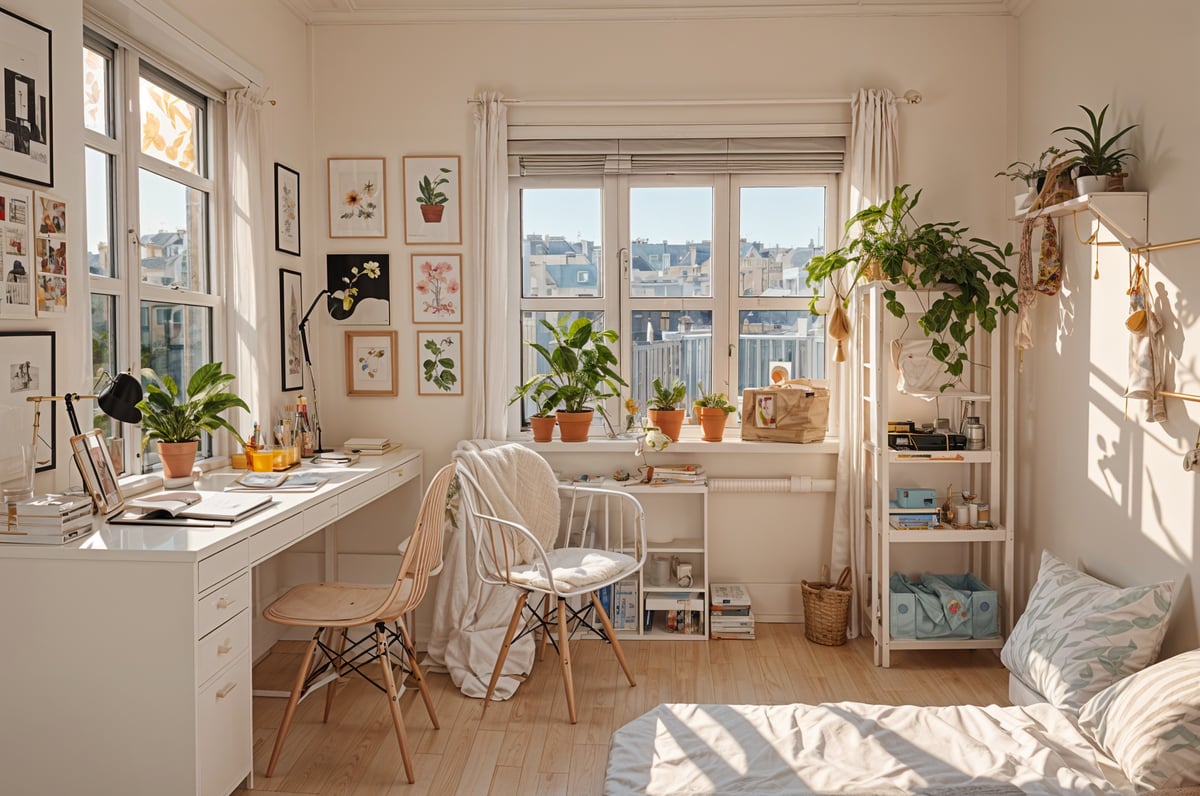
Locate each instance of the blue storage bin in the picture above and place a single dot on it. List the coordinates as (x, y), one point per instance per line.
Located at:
(983, 614)
(942, 606)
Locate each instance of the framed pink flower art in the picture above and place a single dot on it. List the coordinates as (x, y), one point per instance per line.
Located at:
(437, 288)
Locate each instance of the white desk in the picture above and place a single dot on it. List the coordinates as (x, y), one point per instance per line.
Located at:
(125, 661)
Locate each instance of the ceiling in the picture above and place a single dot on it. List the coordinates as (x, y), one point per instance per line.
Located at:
(369, 12)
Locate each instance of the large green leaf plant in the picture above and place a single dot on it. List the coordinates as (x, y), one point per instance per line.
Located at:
(582, 368)
(169, 415)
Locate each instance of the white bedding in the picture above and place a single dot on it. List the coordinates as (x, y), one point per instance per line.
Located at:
(855, 748)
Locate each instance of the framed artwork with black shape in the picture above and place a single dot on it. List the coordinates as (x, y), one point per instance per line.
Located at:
(287, 210)
(27, 368)
(99, 475)
(26, 129)
(291, 309)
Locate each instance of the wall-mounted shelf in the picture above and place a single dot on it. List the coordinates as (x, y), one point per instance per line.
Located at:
(1123, 213)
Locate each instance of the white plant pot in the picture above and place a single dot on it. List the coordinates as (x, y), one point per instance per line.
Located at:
(1090, 184)
(1024, 201)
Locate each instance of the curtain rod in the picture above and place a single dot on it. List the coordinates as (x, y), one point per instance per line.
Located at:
(911, 97)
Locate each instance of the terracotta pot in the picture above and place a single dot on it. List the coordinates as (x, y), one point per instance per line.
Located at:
(712, 421)
(543, 428)
(574, 426)
(669, 421)
(177, 458)
(432, 213)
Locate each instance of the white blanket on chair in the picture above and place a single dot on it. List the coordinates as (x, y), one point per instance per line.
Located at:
(470, 616)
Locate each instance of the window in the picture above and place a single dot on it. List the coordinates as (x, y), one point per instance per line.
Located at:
(699, 265)
(148, 164)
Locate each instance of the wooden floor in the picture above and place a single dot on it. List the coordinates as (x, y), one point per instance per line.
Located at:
(526, 746)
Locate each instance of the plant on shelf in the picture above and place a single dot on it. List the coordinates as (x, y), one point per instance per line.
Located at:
(177, 420)
(663, 407)
(582, 374)
(430, 196)
(931, 259)
(1097, 156)
(713, 410)
(1029, 173)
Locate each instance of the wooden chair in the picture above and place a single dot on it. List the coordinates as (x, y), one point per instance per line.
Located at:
(333, 609)
(605, 541)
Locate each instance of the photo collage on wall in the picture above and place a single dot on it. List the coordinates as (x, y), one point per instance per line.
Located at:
(18, 273)
(50, 253)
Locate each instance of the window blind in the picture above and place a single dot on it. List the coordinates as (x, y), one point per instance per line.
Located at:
(800, 155)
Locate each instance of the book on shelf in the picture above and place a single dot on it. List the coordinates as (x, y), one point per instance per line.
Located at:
(179, 508)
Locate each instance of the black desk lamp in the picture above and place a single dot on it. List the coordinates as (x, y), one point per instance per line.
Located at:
(316, 418)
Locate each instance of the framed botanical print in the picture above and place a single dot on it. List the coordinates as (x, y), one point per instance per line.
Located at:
(371, 363)
(432, 199)
(26, 127)
(287, 210)
(437, 288)
(357, 204)
(359, 288)
(291, 309)
(439, 355)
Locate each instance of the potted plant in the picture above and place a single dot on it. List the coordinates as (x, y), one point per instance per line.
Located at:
(431, 199)
(545, 402)
(176, 420)
(713, 410)
(931, 259)
(663, 407)
(1098, 157)
(581, 374)
(1033, 176)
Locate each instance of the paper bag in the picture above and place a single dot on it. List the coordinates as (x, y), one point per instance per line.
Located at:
(793, 411)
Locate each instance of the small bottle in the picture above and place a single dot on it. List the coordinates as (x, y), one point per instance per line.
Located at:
(304, 435)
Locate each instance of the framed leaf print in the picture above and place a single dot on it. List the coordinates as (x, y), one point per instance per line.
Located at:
(437, 288)
(357, 204)
(439, 355)
(287, 210)
(432, 199)
(291, 308)
(371, 363)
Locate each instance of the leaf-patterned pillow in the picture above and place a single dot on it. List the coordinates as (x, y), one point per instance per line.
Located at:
(1150, 723)
(1079, 635)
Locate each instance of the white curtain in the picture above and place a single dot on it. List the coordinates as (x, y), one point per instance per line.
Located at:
(488, 305)
(872, 174)
(248, 316)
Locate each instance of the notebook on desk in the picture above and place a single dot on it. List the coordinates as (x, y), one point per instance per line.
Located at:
(190, 508)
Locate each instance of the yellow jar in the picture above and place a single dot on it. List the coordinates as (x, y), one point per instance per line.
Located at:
(262, 461)
(238, 461)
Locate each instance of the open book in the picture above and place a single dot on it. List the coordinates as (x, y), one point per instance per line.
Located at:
(191, 508)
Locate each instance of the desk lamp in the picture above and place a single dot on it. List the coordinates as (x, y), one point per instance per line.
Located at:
(118, 400)
(316, 418)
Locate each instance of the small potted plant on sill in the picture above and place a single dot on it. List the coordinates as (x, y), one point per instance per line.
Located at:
(1101, 161)
(431, 199)
(663, 407)
(713, 410)
(177, 420)
(545, 401)
(581, 374)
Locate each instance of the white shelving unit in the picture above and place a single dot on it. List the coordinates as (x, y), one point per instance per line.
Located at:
(986, 473)
(1123, 213)
(676, 525)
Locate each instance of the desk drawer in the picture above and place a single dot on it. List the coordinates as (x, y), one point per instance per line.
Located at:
(281, 534)
(320, 515)
(220, 606)
(403, 473)
(222, 646)
(221, 565)
(356, 496)
(224, 741)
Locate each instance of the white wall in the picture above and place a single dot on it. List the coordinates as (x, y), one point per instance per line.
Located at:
(1095, 487)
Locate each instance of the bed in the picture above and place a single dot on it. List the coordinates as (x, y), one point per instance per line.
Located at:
(1091, 716)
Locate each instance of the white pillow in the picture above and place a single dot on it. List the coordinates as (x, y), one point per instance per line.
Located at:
(1079, 635)
(1150, 723)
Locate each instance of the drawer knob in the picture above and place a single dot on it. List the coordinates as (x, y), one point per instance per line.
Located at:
(224, 692)
(225, 649)
(223, 603)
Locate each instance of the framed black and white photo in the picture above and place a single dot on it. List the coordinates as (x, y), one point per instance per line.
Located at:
(287, 210)
(26, 369)
(26, 131)
(291, 309)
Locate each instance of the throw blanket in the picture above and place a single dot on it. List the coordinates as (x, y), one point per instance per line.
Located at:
(470, 616)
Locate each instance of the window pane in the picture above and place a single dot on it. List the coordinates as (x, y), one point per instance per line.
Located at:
(174, 233)
(170, 126)
(671, 344)
(96, 93)
(559, 253)
(104, 351)
(671, 250)
(793, 339)
(779, 234)
(176, 341)
(532, 329)
(98, 185)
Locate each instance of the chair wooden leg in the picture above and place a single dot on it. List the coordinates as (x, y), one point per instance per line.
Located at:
(564, 654)
(411, 652)
(293, 700)
(545, 631)
(381, 648)
(612, 638)
(337, 667)
(508, 637)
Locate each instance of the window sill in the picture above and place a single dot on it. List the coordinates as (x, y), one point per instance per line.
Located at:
(689, 442)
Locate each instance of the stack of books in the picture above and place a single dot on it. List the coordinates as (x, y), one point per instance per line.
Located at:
(731, 615)
(367, 446)
(913, 519)
(49, 519)
(684, 474)
(620, 600)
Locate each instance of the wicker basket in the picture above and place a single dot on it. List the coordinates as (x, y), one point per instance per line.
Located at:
(826, 607)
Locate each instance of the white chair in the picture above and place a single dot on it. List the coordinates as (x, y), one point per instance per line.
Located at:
(333, 609)
(603, 541)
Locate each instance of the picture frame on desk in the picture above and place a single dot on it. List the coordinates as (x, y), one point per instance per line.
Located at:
(99, 475)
